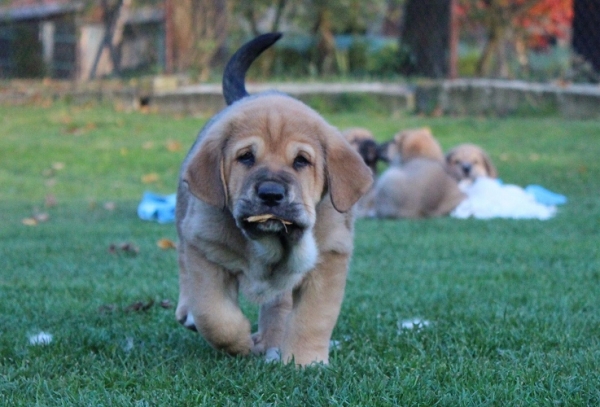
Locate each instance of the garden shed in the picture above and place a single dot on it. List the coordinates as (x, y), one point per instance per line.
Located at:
(62, 41)
(39, 41)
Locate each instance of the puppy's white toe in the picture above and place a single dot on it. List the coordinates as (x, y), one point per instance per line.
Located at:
(189, 322)
(273, 355)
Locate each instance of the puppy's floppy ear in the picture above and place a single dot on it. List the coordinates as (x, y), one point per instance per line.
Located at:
(489, 166)
(204, 172)
(348, 176)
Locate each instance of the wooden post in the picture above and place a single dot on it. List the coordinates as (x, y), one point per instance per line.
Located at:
(453, 37)
(169, 45)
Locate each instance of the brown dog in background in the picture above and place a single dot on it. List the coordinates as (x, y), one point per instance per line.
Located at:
(264, 205)
(469, 161)
(364, 143)
(416, 185)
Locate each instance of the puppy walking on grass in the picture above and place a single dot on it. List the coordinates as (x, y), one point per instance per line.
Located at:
(264, 206)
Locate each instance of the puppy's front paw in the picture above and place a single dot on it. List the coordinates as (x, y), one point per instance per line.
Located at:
(186, 318)
(272, 355)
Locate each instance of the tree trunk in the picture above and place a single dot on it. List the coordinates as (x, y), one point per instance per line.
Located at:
(325, 52)
(586, 31)
(198, 34)
(425, 35)
(114, 19)
(484, 64)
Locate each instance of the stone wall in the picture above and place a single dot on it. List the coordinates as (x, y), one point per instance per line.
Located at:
(498, 97)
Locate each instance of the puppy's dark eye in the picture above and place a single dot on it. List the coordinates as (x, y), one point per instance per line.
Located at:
(247, 158)
(300, 162)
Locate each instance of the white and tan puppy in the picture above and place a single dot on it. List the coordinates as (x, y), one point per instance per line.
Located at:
(469, 161)
(264, 206)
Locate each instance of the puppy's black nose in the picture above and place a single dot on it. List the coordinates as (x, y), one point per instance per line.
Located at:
(271, 193)
(466, 168)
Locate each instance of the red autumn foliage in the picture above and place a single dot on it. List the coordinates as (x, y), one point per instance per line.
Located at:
(538, 21)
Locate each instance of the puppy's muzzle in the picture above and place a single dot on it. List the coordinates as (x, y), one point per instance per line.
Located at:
(272, 195)
(466, 167)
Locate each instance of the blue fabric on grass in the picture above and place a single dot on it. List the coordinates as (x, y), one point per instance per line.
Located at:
(544, 196)
(155, 207)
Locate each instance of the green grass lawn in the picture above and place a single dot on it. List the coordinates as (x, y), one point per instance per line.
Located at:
(513, 306)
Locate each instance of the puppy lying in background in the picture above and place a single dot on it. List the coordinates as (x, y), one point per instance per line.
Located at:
(420, 188)
(416, 185)
(264, 205)
(364, 143)
(412, 143)
(469, 161)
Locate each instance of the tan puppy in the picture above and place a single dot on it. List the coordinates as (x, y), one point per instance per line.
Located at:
(413, 143)
(355, 135)
(416, 185)
(469, 161)
(264, 207)
(420, 188)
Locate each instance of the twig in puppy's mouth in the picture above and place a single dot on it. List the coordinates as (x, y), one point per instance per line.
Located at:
(265, 217)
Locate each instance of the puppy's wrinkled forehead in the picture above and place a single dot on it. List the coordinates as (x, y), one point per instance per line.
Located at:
(276, 125)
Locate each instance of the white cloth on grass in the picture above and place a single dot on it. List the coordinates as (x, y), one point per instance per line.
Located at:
(488, 198)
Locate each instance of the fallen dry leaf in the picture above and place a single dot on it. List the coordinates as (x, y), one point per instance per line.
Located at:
(166, 244)
(173, 146)
(140, 306)
(110, 206)
(50, 182)
(107, 308)
(150, 178)
(41, 217)
(79, 130)
(166, 304)
(48, 172)
(50, 201)
(148, 145)
(29, 221)
(127, 248)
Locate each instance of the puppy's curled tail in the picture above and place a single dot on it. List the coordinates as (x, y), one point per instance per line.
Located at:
(234, 87)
